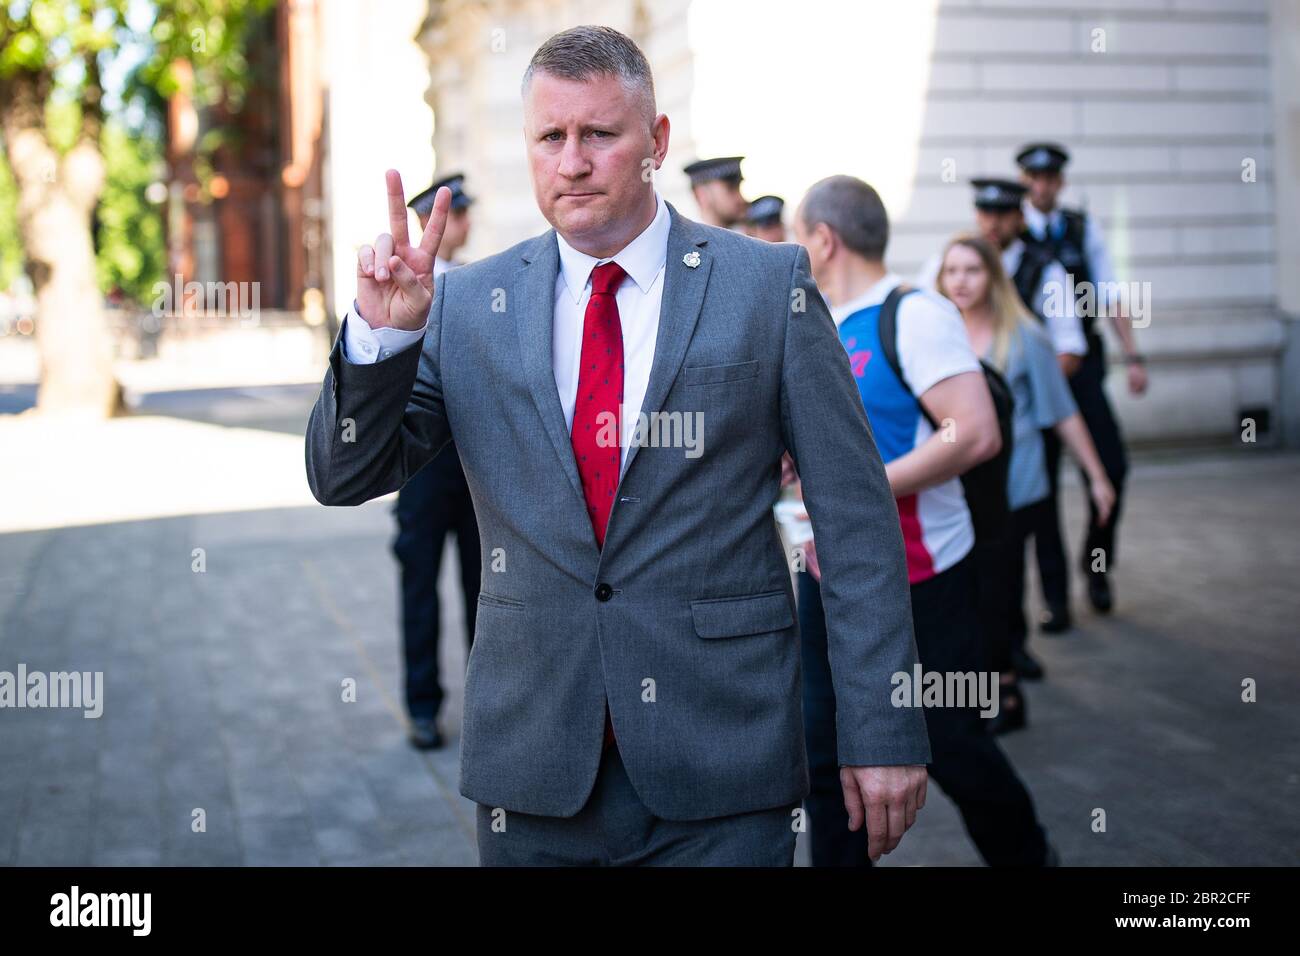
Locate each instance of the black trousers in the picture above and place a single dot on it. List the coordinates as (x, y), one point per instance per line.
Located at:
(966, 760)
(1000, 569)
(1097, 414)
(435, 502)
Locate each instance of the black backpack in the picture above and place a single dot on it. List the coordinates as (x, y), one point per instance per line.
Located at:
(985, 485)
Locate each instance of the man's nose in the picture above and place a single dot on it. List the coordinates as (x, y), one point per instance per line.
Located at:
(573, 161)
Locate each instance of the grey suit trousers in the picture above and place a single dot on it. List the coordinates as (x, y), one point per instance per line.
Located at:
(614, 828)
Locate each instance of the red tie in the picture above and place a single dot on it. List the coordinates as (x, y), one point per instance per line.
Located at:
(596, 420)
(600, 392)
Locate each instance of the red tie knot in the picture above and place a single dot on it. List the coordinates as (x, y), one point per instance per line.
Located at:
(606, 278)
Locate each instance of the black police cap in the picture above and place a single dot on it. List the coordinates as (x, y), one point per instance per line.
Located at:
(765, 211)
(997, 195)
(706, 170)
(423, 202)
(1042, 157)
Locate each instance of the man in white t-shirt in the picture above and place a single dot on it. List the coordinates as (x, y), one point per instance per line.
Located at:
(843, 224)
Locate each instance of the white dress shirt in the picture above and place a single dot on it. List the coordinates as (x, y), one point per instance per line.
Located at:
(1054, 289)
(638, 298)
(1100, 269)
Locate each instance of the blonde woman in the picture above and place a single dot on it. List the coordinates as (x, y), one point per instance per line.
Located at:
(1003, 332)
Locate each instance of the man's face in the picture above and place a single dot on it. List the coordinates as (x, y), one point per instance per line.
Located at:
(591, 148)
(1043, 187)
(818, 243)
(722, 199)
(771, 232)
(999, 226)
(456, 234)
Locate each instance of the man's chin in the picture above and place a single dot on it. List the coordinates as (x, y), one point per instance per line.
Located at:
(576, 223)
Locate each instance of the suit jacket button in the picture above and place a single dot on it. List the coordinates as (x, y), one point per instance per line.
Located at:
(604, 592)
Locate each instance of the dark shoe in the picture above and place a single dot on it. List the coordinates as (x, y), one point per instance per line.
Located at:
(424, 735)
(1009, 718)
(1026, 666)
(1099, 593)
(1056, 619)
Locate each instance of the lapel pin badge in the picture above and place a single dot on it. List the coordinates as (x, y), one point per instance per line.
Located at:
(692, 259)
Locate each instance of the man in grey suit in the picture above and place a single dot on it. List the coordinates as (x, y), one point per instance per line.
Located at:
(621, 390)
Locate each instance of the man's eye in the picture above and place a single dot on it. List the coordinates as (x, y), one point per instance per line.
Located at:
(601, 133)
(551, 136)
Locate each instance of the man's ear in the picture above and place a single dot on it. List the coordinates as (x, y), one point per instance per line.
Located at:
(825, 237)
(660, 130)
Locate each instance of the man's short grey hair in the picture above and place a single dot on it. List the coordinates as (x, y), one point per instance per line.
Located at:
(581, 53)
(853, 211)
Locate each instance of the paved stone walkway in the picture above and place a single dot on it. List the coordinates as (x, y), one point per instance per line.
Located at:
(224, 691)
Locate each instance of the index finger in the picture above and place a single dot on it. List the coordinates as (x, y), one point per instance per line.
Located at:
(432, 237)
(396, 209)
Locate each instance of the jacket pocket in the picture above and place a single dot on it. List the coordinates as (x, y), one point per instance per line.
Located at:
(491, 600)
(716, 374)
(735, 616)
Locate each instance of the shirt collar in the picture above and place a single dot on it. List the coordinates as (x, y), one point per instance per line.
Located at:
(872, 296)
(1012, 254)
(641, 259)
(1038, 222)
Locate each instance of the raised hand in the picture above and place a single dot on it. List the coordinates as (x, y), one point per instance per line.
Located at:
(395, 278)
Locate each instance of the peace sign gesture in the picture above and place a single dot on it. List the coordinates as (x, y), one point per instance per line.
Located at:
(395, 278)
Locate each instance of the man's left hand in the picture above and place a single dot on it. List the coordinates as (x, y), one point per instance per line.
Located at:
(887, 799)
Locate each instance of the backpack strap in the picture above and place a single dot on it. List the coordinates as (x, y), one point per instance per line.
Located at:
(887, 329)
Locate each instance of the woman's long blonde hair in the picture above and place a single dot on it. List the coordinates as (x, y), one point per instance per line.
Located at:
(1004, 301)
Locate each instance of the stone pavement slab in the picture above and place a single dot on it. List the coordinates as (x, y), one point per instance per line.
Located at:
(224, 689)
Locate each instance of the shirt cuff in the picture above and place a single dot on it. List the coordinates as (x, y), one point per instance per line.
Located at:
(1068, 341)
(363, 345)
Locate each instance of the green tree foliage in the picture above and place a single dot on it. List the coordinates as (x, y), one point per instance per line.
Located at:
(131, 252)
(11, 249)
(209, 36)
(130, 242)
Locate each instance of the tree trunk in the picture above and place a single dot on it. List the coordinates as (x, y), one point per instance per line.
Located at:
(56, 199)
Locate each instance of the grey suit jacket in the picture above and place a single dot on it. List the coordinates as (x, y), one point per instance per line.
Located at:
(685, 620)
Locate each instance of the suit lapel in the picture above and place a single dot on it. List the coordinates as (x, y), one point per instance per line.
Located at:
(536, 301)
(679, 311)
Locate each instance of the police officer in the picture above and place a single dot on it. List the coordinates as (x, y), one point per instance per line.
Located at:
(715, 183)
(1071, 237)
(432, 504)
(763, 220)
